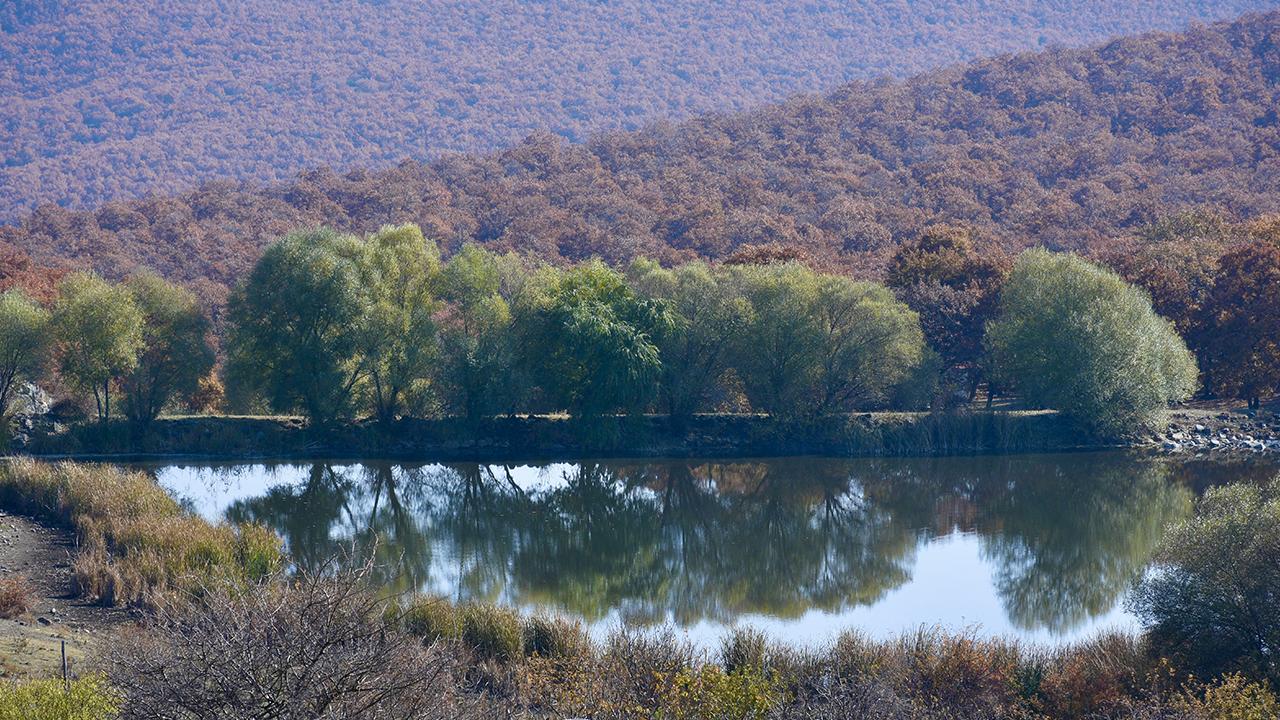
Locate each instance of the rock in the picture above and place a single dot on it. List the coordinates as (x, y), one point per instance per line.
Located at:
(1170, 445)
(44, 621)
(1201, 429)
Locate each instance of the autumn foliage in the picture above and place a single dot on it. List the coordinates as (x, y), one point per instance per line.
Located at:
(1066, 148)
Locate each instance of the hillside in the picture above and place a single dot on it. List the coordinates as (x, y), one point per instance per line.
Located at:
(107, 100)
(1066, 148)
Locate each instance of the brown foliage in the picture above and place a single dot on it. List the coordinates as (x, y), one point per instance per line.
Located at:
(1242, 330)
(16, 597)
(107, 100)
(1066, 148)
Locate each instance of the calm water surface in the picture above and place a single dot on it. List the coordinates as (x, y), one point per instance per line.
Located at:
(1041, 548)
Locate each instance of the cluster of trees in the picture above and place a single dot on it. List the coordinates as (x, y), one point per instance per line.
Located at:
(1219, 283)
(337, 325)
(97, 110)
(1067, 149)
(334, 324)
(145, 340)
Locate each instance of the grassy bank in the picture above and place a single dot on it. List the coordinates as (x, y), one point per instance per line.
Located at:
(137, 545)
(879, 434)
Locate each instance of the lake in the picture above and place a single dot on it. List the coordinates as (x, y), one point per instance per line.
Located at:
(1038, 547)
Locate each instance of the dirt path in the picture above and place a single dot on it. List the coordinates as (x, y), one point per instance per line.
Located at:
(30, 646)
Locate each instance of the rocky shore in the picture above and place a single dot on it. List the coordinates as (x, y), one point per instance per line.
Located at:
(1220, 431)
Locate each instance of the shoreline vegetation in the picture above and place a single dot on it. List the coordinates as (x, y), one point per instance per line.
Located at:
(318, 641)
(564, 437)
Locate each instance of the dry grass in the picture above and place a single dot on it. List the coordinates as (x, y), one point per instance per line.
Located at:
(137, 544)
(16, 597)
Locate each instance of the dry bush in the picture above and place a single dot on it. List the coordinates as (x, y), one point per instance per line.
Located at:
(16, 597)
(315, 647)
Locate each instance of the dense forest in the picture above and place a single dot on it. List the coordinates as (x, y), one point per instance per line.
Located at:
(108, 100)
(1067, 148)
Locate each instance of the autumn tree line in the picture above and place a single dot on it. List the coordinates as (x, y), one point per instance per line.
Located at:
(339, 326)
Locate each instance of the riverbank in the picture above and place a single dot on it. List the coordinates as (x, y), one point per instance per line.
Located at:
(1218, 430)
(540, 437)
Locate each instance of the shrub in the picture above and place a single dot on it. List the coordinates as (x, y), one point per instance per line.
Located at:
(710, 692)
(89, 698)
(15, 597)
(431, 619)
(318, 646)
(493, 633)
(1232, 698)
(1076, 338)
(1211, 599)
(555, 638)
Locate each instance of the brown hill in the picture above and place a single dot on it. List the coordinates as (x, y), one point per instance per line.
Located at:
(107, 100)
(1065, 148)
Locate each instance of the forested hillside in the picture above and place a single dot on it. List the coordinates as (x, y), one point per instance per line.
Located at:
(107, 100)
(1067, 148)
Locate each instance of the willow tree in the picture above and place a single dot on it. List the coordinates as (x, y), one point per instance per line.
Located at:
(1075, 337)
(176, 352)
(707, 315)
(98, 328)
(24, 343)
(476, 351)
(295, 325)
(591, 340)
(815, 344)
(397, 335)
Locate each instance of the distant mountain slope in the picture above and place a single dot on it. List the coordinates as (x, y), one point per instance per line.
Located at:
(1065, 148)
(105, 99)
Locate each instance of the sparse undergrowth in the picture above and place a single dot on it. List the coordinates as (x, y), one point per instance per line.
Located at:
(136, 543)
(16, 597)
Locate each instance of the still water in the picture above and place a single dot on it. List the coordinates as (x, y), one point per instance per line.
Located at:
(1041, 548)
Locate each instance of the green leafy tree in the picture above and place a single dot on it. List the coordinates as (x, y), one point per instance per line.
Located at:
(707, 315)
(777, 353)
(591, 339)
(24, 343)
(397, 338)
(868, 343)
(475, 370)
(176, 352)
(99, 330)
(1214, 595)
(815, 344)
(1075, 337)
(296, 323)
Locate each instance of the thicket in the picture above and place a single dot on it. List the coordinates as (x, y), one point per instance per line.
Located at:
(329, 646)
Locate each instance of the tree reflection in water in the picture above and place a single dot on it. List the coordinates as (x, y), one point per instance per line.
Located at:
(695, 541)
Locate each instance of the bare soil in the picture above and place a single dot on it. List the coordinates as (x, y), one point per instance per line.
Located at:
(31, 645)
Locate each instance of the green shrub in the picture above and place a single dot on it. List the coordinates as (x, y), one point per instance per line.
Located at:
(90, 698)
(493, 633)
(1211, 600)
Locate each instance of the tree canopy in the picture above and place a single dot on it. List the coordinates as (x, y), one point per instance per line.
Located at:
(1075, 337)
